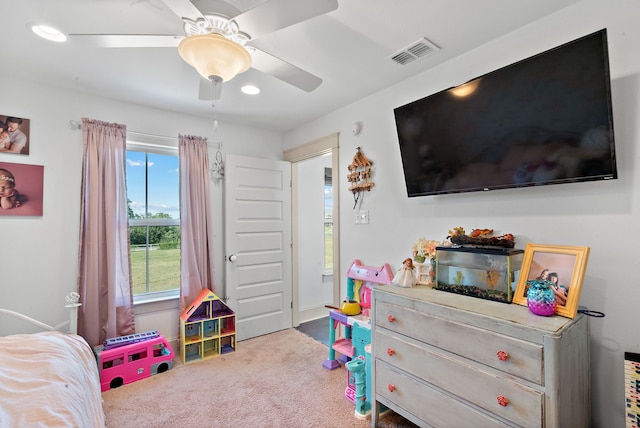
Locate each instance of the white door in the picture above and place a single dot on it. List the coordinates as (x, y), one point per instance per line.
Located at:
(258, 244)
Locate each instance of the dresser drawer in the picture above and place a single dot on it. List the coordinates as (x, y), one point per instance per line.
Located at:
(469, 382)
(505, 353)
(426, 402)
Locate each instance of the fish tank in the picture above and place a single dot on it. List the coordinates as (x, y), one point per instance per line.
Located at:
(486, 273)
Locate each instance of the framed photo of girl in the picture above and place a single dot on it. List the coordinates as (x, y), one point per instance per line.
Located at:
(563, 266)
(14, 135)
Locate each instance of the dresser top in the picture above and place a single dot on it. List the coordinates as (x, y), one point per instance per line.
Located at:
(513, 313)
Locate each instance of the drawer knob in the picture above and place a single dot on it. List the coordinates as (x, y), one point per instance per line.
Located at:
(503, 401)
(391, 318)
(391, 387)
(391, 351)
(503, 356)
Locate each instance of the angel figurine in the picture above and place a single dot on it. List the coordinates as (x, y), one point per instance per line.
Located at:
(405, 276)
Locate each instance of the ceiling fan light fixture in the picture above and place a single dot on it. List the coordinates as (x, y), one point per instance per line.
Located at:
(214, 55)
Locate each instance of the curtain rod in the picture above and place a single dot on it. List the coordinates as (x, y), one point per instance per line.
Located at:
(143, 134)
(76, 125)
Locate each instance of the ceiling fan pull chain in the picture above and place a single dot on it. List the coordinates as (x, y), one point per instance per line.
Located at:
(215, 113)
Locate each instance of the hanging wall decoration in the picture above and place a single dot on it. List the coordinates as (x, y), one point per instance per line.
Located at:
(21, 189)
(14, 135)
(359, 176)
(217, 170)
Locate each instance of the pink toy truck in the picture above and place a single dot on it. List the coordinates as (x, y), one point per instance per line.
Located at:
(130, 358)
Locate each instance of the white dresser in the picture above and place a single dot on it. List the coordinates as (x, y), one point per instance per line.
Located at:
(446, 360)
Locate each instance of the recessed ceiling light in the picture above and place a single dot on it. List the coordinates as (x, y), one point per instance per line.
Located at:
(250, 90)
(49, 33)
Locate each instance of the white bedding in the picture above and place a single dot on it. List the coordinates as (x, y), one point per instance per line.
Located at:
(49, 379)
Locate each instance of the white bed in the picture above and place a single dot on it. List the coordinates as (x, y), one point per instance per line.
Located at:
(48, 379)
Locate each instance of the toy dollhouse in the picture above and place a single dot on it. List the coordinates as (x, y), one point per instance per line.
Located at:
(207, 328)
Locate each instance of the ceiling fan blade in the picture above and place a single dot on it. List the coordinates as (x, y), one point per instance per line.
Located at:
(273, 15)
(284, 71)
(183, 9)
(127, 40)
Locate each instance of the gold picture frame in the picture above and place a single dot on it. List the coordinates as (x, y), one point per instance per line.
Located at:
(565, 261)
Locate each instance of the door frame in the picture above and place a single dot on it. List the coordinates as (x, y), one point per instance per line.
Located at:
(319, 147)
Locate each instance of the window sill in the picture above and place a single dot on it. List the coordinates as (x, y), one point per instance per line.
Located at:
(154, 302)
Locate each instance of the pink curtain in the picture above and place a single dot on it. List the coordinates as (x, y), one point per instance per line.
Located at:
(196, 236)
(104, 263)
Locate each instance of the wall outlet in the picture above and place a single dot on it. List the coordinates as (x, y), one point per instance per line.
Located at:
(362, 217)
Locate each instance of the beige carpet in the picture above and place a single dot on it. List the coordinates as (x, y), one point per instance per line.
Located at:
(276, 380)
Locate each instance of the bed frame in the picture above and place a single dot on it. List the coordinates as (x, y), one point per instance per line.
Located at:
(73, 303)
(50, 377)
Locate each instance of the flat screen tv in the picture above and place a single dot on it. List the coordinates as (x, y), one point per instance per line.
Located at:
(544, 120)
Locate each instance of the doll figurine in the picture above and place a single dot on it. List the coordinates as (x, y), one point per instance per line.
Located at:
(405, 276)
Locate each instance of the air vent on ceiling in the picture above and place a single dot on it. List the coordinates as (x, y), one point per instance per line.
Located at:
(414, 51)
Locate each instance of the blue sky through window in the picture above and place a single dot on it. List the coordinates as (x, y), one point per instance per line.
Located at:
(163, 183)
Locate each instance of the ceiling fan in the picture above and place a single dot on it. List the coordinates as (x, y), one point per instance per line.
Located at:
(217, 39)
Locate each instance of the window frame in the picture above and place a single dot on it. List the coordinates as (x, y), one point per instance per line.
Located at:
(143, 147)
(328, 183)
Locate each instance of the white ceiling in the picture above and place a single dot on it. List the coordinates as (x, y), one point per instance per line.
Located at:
(348, 48)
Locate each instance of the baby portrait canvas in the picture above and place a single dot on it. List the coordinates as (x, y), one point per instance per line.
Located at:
(21, 189)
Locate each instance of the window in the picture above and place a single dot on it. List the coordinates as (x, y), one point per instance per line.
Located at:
(328, 219)
(154, 220)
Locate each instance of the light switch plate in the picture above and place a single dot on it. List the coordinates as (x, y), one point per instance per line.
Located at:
(362, 217)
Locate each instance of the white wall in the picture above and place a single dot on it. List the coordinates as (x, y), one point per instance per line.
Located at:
(40, 261)
(601, 215)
